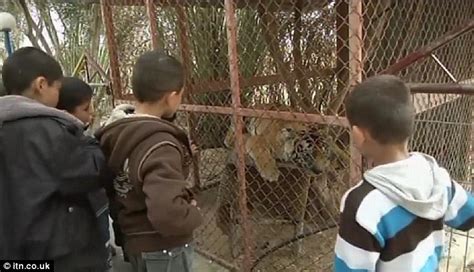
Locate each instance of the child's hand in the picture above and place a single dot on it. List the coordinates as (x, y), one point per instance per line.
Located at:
(194, 148)
(194, 203)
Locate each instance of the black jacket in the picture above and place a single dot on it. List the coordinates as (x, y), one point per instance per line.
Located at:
(47, 168)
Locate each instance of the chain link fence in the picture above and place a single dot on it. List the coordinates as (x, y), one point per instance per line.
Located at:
(266, 81)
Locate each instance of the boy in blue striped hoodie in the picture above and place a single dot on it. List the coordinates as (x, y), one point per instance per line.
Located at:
(393, 219)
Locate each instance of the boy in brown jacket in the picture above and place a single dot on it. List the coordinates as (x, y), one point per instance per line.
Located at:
(149, 158)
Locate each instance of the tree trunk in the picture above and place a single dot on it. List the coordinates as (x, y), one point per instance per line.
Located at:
(95, 30)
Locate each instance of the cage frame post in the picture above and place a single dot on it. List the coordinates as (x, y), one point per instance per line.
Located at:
(116, 81)
(355, 76)
(231, 27)
(151, 13)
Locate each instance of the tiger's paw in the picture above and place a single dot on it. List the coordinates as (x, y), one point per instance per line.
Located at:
(270, 173)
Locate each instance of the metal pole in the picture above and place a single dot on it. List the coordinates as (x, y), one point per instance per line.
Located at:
(238, 122)
(355, 42)
(441, 88)
(355, 76)
(151, 12)
(8, 42)
(112, 46)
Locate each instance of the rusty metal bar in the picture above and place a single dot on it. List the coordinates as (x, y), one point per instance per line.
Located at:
(426, 50)
(112, 46)
(341, 72)
(278, 115)
(231, 25)
(355, 42)
(356, 168)
(355, 76)
(441, 88)
(151, 12)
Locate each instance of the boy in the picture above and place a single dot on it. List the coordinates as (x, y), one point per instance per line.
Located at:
(46, 170)
(150, 158)
(393, 219)
(75, 97)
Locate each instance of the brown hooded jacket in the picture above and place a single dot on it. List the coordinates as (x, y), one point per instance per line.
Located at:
(150, 158)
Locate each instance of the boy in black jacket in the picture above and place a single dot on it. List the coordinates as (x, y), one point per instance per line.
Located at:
(47, 169)
(75, 97)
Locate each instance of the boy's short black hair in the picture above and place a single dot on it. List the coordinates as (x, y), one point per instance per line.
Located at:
(73, 93)
(382, 105)
(155, 74)
(25, 65)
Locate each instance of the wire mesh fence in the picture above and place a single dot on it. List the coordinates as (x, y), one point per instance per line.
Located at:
(445, 131)
(265, 84)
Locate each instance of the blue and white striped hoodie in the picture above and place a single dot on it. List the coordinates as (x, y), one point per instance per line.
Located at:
(393, 220)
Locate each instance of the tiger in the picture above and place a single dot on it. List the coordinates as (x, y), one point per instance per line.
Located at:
(268, 141)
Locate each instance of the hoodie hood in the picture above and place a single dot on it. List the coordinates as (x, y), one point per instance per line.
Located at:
(125, 130)
(14, 107)
(417, 183)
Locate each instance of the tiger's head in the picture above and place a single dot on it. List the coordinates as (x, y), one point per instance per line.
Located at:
(307, 148)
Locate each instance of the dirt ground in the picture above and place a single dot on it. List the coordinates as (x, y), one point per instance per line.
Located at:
(268, 233)
(316, 254)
